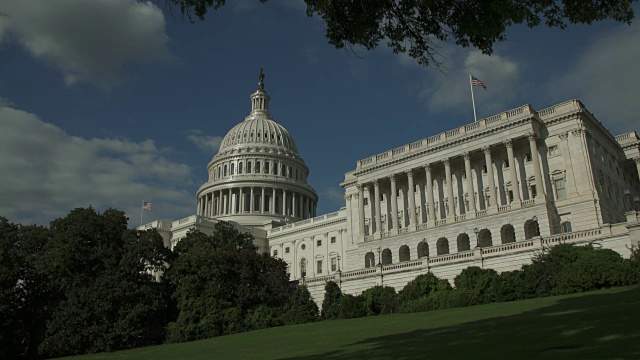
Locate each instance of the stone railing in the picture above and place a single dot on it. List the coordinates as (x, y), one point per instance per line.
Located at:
(571, 237)
(402, 265)
(460, 217)
(308, 222)
(528, 202)
(448, 135)
(451, 257)
(481, 213)
(441, 222)
(503, 208)
(508, 246)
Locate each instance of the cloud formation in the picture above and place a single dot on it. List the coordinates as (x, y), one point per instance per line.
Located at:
(450, 92)
(208, 144)
(605, 77)
(47, 172)
(88, 41)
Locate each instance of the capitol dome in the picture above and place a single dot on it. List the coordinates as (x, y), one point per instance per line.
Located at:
(257, 176)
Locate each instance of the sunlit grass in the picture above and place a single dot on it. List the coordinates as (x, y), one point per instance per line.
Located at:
(594, 325)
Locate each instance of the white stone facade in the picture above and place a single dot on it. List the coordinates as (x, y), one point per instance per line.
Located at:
(490, 194)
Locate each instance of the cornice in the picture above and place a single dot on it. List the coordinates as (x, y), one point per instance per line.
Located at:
(314, 226)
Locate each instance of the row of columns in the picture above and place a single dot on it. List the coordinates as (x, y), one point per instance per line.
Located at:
(263, 166)
(223, 202)
(492, 199)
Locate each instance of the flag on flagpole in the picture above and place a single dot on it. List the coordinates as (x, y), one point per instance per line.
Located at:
(146, 205)
(476, 82)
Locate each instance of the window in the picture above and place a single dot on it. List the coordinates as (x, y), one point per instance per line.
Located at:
(319, 267)
(233, 168)
(290, 174)
(484, 169)
(266, 167)
(510, 196)
(561, 192)
(257, 167)
(505, 163)
(240, 168)
(275, 252)
(534, 191)
(527, 157)
(319, 243)
(286, 250)
(303, 267)
(565, 227)
(249, 167)
(334, 264)
(333, 239)
(225, 170)
(366, 201)
(553, 150)
(303, 246)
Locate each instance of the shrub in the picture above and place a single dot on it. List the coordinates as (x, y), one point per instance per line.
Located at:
(352, 307)
(421, 286)
(332, 299)
(380, 300)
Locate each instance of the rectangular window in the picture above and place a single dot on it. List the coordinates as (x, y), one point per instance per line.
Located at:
(534, 192)
(565, 227)
(527, 157)
(505, 163)
(333, 239)
(319, 267)
(510, 196)
(484, 169)
(319, 243)
(275, 252)
(286, 250)
(561, 192)
(366, 201)
(334, 263)
(553, 150)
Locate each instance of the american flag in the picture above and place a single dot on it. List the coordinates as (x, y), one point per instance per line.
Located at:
(146, 205)
(476, 82)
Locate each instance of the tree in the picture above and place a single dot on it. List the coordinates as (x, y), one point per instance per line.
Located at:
(380, 300)
(477, 282)
(103, 294)
(331, 303)
(422, 285)
(352, 306)
(301, 308)
(219, 281)
(415, 27)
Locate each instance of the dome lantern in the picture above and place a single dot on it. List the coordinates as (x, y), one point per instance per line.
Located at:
(260, 98)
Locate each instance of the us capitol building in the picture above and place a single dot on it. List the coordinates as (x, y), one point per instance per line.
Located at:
(490, 194)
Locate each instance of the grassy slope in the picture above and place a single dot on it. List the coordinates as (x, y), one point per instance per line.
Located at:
(595, 325)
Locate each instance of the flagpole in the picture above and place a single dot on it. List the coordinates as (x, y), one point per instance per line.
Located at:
(473, 100)
(141, 211)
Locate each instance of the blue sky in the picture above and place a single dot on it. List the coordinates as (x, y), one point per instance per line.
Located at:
(112, 102)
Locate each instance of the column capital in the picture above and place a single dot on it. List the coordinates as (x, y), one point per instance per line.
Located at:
(486, 150)
(348, 197)
(427, 168)
(409, 172)
(466, 155)
(508, 143)
(359, 186)
(532, 136)
(375, 183)
(392, 177)
(356, 196)
(564, 135)
(636, 160)
(446, 162)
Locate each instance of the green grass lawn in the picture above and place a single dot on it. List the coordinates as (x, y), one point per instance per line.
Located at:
(595, 325)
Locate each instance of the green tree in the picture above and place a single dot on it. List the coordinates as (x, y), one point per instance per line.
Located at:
(415, 27)
(422, 285)
(592, 270)
(301, 308)
(380, 300)
(477, 283)
(352, 306)
(219, 281)
(331, 303)
(103, 292)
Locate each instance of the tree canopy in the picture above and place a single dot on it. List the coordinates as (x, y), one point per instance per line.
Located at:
(416, 27)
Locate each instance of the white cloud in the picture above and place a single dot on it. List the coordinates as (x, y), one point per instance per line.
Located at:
(47, 172)
(449, 92)
(606, 78)
(204, 142)
(88, 41)
(333, 195)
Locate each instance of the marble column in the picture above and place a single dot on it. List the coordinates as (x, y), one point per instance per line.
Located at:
(232, 202)
(284, 202)
(301, 206)
(273, 202)
(572, 187)
(253, 200)
(412, 199)
(395, 224)
(293, 204)
(431, 220)
(262, 201)
(515, 187)
(491, 182)
(225, 201)
(536, 165)
(451, 203)
(637, 161)
(376, 202)
(241, 201)
(470, 190)
(360, 209)
(219, 205)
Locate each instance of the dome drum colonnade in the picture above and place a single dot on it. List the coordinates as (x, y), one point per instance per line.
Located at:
(439, 209)
(257, 172)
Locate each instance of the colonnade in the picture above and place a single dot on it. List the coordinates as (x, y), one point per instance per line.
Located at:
(476, 206)
(264, 166)
(257, 200)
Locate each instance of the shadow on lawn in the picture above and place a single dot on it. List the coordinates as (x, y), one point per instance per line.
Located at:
(594, 326)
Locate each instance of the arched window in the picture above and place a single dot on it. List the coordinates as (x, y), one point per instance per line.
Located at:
(484, 238)
(257, 167)
(233, 168)
(442, 246)
(266, 167)
(369, 260)
(507, 234)
(463, 242)
(225, 170)
(404, 253)
(218, 171)
(240, 168)
(386, 257)
(248, 167)
(283, 170)
(531, 229)
(290, 172)
(275, 169)
(423, 249)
